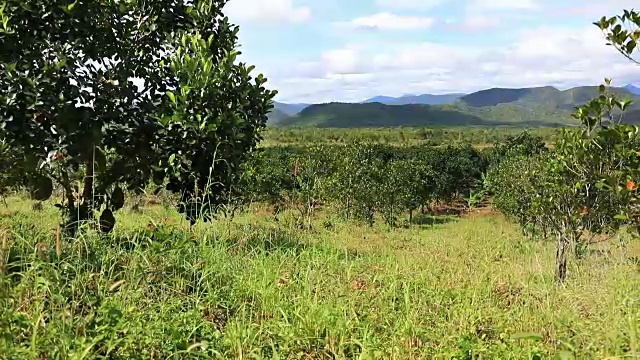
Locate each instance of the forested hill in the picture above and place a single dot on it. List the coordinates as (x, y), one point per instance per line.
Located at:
(539, 96)
(377, 114)
(540, 106)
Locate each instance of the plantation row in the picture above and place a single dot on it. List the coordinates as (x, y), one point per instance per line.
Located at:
(365, 179)
(362, 180)
(435, 136)
(583, 189)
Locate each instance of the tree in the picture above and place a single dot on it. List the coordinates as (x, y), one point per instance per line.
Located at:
(523, 144)
(70, 103)
(587, 184)
(11, 176)
(514, 185)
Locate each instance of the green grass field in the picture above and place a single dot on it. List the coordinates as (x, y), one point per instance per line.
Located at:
(467, 287)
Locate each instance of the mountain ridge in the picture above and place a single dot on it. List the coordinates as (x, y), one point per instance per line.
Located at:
(632, 89)
(534, 106)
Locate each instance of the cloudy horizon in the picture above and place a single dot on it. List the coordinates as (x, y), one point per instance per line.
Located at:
(331, 50)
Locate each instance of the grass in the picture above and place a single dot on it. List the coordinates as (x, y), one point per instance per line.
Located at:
(465, 287)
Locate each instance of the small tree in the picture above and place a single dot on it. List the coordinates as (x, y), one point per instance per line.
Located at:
(523, 144)
(69, 102)
(587, 184)
(513, 183)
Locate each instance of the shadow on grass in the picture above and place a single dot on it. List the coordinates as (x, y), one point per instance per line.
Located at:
(269, 240)
(255, 238)
(430, 220)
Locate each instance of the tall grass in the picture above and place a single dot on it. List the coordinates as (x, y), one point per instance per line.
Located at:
(253, 288)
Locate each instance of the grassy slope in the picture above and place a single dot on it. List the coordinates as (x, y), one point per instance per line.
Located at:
(253, 288)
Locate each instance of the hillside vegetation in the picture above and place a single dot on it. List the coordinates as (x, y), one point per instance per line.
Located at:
(380, 115)
(541, 106)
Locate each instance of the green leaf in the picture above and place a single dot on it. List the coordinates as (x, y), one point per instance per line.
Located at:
(172, 97)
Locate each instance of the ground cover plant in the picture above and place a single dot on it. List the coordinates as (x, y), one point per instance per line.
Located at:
(451, 287)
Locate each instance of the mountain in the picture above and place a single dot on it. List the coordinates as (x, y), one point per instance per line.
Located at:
(381, 99)
(377, 115)
(426, 99)
(632, 89)
(276, 116)
(538, 106)
(348, 115)
(289, 109)
(283, 111)
(529, 98)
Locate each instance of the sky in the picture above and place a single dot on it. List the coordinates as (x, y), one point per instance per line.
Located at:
(315, 51)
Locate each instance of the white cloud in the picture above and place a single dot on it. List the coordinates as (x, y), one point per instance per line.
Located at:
(540, 56)
(388, 21)
(591, 8)
(343, 61)
(476, 22)
(409, 4)
(503, 4)
(266, 11)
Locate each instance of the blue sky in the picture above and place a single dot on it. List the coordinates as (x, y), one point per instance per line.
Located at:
(349, 50)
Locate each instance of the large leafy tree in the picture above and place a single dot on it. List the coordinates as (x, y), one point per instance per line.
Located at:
(109, 94)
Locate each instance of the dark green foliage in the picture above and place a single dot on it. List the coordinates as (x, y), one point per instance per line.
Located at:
(362, 179)
(41, 188)
(107, 221)
(587, 185)
(70, 106)
(434, 136)
(513, 181)
(117, 198)
(524, 144)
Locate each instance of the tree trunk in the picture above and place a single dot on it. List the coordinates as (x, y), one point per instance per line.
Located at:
(71, 217)
(561, 259)
(87, 191)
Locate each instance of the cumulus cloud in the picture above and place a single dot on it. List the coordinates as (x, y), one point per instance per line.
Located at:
(267, 11)
(540, 56)
(388, 21)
